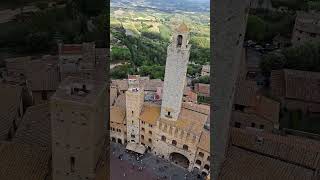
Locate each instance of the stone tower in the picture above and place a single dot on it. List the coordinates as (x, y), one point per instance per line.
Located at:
(229, 27)
(77, 120)
(134, 102)
(175, 73)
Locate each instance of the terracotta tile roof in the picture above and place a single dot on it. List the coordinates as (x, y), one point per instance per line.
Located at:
(9, 105)
(203, 89)
(247, 118)
(35, 128)
(190, 121)
(204, 142)
(244, 165)
(71, 49)
(117, 114)
(302, 85)
(297, 150)
(17, 65)
(121, 101)
(21, 161)
(277, 83)
(190, 96)
(268, 108)
(295, 84)
(245, 93)
(43, 74)
(201, 108)
(150, 113)
(153, 84)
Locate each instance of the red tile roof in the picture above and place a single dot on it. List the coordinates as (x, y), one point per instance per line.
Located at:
(245, 165)
(71, 49)
(295, 84)
(21, 161)
(35, 128)
(203, 89)
(246, 93)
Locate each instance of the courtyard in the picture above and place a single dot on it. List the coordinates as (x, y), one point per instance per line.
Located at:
(128, 165)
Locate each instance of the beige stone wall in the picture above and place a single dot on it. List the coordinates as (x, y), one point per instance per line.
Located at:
(305, 29)
(134, 103)
(165, 148)
(77, 132)
(118, 132)
(147, 131)
(205, 160)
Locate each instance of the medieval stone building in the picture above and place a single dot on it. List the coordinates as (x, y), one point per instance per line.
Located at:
(173, 129)
(77, 121)
(306, 28)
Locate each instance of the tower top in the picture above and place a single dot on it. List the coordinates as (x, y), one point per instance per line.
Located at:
(183, 28)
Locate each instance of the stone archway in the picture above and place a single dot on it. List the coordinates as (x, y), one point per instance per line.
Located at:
(180, 160)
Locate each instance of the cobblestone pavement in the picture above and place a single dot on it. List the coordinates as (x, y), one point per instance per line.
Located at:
(128, 165)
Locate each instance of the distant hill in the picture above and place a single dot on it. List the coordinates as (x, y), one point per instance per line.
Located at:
(166, 5)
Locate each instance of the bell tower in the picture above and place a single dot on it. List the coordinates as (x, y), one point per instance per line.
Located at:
(178, 53)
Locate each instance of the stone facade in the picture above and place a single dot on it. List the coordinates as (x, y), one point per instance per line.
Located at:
(78, 131)
(205, 71)
(134, 102)
(229, 27)
(175, 73)
(177, 139)
(306, 28)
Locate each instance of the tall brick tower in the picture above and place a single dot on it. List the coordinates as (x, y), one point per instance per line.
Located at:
(78, 114)
(175, 73)
(134, 103)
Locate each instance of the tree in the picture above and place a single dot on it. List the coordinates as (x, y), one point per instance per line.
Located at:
(256, 28)
(305, 57)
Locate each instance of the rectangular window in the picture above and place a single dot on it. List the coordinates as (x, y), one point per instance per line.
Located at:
(44, 95)
(237, 125)
(72, 162)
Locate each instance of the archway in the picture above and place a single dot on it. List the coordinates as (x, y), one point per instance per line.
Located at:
(113, 139)
(179, 159)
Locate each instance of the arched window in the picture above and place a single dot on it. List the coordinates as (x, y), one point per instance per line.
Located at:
(201, 154)
(150, 132)
(185, 147)
(198, 162)
(163, 138)
(72, 162)
(207, 167)
(179, 41)
(142, 136)
(174, 142)
(150, 140)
